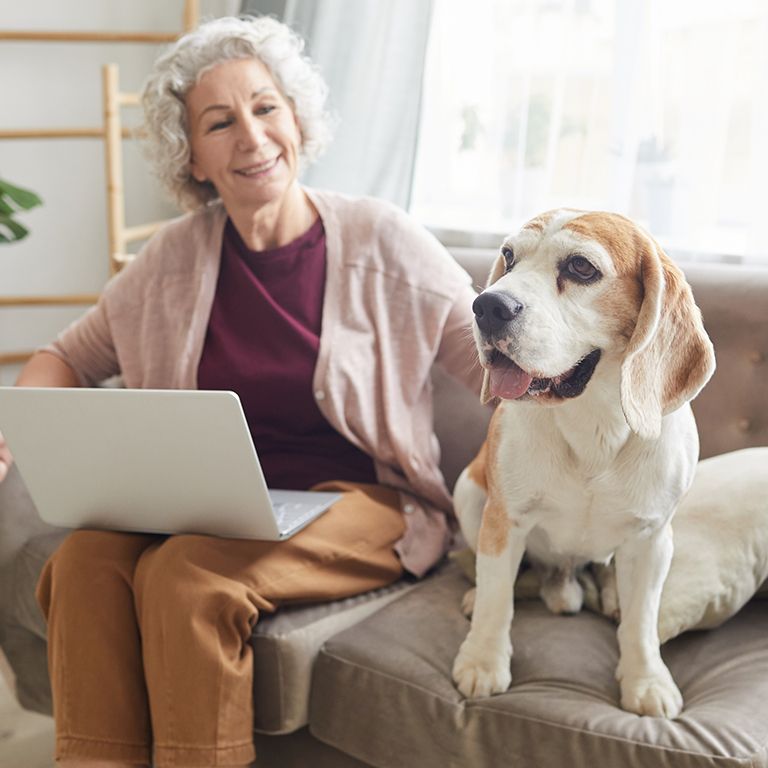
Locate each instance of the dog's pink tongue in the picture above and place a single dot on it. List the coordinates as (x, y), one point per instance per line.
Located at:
(508, 380)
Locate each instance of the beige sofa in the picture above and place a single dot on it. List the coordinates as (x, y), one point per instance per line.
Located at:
(366, 681)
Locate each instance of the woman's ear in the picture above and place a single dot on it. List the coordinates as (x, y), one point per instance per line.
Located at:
(195, 171)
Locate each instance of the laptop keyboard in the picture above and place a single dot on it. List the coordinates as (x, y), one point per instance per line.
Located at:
(290, 513)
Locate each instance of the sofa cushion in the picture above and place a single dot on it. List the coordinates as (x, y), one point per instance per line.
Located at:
(382, 691)
(284, 644)
(19, 521)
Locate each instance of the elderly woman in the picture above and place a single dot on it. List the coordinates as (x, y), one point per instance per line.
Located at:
(325, 313)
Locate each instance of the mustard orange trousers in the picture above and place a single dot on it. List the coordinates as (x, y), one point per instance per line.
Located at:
(148, 636)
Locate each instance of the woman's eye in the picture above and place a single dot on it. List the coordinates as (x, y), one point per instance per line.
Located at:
(265, 110)
(219, 125)
(509, 257)
(581, 269)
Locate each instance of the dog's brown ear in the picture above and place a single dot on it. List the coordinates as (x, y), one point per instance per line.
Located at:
(485, 391)
(497, 270)
(669, 357)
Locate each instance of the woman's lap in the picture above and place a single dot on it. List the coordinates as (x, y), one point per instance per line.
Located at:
(193, 601)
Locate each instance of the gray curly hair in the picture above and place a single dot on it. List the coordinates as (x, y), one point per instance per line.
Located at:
(190, 57)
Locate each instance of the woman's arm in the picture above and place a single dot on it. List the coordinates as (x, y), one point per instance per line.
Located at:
(42, 370)
(457, 353)
(47, 370)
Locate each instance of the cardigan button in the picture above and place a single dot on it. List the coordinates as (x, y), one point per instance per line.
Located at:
(409, 509)
(319, 394)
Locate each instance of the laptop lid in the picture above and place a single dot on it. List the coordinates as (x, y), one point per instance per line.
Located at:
(152, 461)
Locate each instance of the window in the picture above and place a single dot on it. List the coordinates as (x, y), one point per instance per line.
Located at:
(657, 109)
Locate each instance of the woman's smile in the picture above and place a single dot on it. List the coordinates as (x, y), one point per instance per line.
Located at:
(258, 169)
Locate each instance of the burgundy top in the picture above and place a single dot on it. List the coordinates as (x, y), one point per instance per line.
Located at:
(262, 342)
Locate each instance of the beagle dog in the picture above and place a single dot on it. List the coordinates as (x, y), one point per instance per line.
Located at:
(592, 343)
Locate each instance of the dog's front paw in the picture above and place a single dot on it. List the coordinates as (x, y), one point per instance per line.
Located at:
(480, 672)
(654, 694)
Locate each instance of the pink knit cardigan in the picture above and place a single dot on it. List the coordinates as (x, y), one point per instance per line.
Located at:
(395, 303)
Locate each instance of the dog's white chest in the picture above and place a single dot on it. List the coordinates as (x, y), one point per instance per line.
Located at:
(586, 520)
(579, 496)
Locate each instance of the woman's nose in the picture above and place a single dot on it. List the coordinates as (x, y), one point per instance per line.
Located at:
(251, 134)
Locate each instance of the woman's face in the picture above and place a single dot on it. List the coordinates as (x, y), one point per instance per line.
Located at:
(244, 136)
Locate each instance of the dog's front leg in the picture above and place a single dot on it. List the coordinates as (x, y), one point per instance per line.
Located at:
(481, 667)
(647, 687)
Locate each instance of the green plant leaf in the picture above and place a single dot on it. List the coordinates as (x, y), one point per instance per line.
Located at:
(24, 198)
(17, 231)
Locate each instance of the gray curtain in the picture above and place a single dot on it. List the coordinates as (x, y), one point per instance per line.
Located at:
(371, 53)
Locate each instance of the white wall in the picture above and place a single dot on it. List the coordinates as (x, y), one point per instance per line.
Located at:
(53, 85)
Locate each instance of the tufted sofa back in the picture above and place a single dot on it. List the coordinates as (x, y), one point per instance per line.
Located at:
(732, 410)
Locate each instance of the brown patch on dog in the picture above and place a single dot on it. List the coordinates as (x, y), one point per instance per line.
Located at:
(617, 234)
(476, 468)
(678, 360)
(496, 524)
(690, 356)
(669, 357)
(497, 270)
(494, 529)
(626, 244)
(538, 223)
(621, 303)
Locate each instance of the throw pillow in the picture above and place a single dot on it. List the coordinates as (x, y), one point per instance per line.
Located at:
(721, 543)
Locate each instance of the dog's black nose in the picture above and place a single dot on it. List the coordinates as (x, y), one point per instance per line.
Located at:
(493, 310)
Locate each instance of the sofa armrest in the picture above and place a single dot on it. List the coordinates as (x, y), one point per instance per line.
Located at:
(19, 522)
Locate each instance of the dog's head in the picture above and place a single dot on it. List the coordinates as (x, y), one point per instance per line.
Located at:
(573, 287)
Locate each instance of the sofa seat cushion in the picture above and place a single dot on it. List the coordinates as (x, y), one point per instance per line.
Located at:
(383, 693)
(284, 644)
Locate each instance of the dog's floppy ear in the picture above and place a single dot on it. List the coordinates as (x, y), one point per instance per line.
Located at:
(669, 357)
(485, 390)
(497, 270)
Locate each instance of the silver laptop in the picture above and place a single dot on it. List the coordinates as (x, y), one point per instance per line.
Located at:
(151, 461)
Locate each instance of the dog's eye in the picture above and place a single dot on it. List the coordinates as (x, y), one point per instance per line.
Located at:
(509, 257)
(582, 269)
